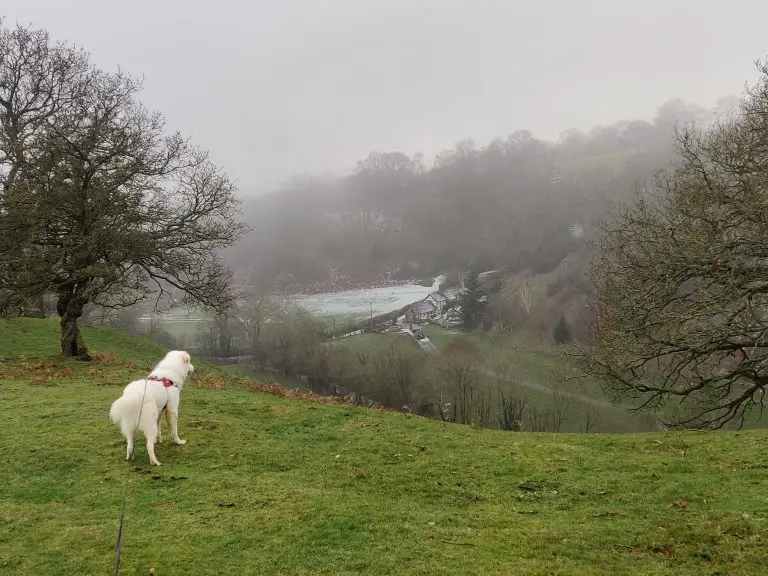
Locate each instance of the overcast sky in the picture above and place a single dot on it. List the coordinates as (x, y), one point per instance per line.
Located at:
(307, 86)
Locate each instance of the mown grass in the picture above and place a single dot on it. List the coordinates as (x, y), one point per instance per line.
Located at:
(270, 485)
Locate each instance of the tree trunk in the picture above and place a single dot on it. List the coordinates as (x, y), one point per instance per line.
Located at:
(70, 308)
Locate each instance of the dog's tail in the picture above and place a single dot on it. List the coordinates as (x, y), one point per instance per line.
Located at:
(126, 410)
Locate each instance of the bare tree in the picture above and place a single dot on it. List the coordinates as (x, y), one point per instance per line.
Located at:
(511, 403)
(512, 407)
(393, 373)
(253, 315)
(222, 333)
(38, 79)
(154, 331)
(482, 401)
(561, 404)
(459, 373)
(292, 339)
(540, 418)
(526, 292)
(682, 279)
(98, 203)
(591, 419)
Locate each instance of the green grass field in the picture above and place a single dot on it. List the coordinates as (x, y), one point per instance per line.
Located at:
(547, 366)
(542, 365)
(271, 485)
(339, 321)
(536, 362)
(371, 343)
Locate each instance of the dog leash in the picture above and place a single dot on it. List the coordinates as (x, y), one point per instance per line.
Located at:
(119, 546)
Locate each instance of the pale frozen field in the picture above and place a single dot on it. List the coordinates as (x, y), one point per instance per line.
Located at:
(361, 303)
(350, 304)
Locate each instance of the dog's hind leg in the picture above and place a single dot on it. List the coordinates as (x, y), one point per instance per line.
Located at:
(125, 428)
(174, 419)
(159, 429)
(129, 449)
(151, 435)
(168, 419)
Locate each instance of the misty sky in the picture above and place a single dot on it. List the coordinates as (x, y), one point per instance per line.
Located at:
(307, 86)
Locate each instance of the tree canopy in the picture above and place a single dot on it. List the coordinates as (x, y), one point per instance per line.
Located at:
(681, 278)
(98, 202)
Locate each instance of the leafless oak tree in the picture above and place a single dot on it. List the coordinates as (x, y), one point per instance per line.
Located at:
(98, 202)
(681, 278)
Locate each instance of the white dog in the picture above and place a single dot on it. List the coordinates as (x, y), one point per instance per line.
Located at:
(144, 401)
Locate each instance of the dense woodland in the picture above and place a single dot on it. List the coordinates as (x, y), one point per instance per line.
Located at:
(509, 204)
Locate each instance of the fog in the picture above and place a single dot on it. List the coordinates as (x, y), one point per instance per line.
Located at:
(423, 185)
(279, 88)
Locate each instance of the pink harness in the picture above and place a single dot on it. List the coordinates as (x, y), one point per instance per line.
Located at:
(167, 383)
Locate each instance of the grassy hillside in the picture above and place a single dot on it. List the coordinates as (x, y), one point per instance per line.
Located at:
(271, 485)
(39, 339)
(537, 369)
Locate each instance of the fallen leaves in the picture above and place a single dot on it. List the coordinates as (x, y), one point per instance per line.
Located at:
(275, 389)
(35, 372)
(211, 380)
(109, 358)
(101, 367)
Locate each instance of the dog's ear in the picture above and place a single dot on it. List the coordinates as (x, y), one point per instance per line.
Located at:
(188, 362)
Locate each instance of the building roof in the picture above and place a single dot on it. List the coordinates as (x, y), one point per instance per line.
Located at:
(437, 297)
(423, 307)
(451, 293)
